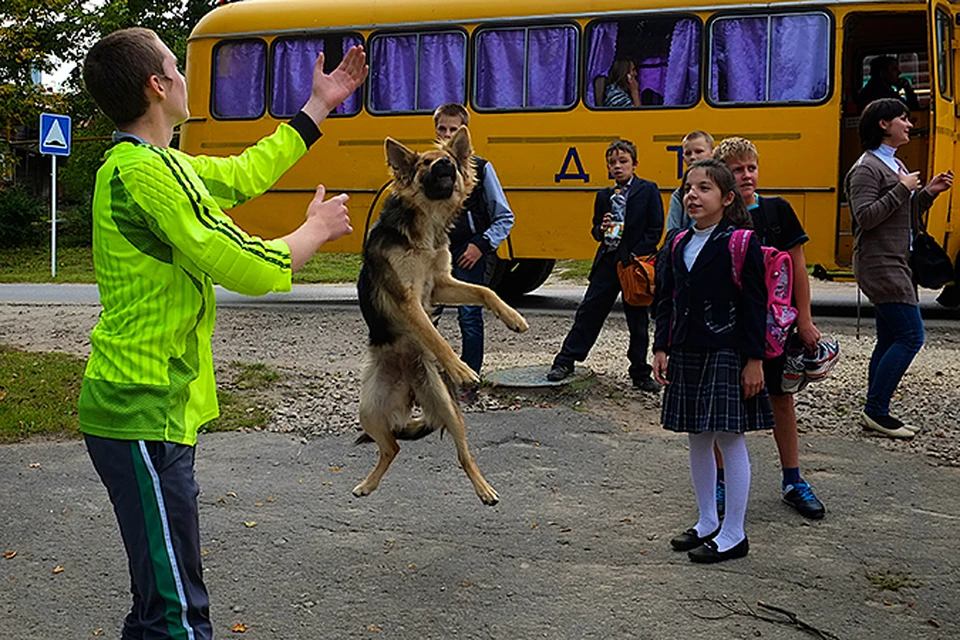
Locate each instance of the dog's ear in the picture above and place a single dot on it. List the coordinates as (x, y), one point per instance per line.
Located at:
(400, 159)
(460, 146)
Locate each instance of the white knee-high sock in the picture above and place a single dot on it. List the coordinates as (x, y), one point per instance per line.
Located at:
(703, 470)
(736, 477)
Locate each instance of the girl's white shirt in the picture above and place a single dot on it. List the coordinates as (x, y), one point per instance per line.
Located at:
(692, 250)
(887, 154)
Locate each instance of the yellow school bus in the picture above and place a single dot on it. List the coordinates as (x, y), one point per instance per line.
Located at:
(533, 75)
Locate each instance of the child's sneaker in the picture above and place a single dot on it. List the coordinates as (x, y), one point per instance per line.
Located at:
(818, 365)
(794, 373)
(800, 496)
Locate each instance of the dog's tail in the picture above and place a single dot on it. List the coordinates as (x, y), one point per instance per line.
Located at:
(413, 430)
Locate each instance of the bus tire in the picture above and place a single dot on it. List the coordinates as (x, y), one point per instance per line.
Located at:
(523, 276)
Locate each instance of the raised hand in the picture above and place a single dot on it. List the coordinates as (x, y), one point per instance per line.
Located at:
(940, 183)
(329, 90)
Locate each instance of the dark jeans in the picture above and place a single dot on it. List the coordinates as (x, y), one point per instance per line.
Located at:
(597, 302)
(899, 338)
(470, 317)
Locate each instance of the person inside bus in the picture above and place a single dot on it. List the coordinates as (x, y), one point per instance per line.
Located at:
(886, 82)
(696, 145)
(885, 200)
(777, 226)
(635, 232)
(623, 85)
(485, 222)
(161, 240)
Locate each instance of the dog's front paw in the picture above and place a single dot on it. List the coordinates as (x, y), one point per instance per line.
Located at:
(462, 374)
(513, 320)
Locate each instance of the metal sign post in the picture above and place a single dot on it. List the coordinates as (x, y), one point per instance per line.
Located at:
(54, 141)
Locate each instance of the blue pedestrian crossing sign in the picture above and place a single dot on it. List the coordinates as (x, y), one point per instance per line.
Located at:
(54, 134)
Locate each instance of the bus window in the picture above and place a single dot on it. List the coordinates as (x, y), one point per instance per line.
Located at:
(772, 58)
(665, 52)
(944, 55)
(292, 71)
(239, 79)
(526, 68)
(913, 66)
(417, 72)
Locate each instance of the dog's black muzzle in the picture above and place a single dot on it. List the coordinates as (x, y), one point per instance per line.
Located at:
(440, 181)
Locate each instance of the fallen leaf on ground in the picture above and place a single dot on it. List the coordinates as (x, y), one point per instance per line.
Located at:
(412, 565)
(333, 468)
(374, 628)
(9, 554)
(250, 524)
(533, 526)
(887, 603)
(566, 530)
(238, 628)
(204, 552)
(34, 465)
(231, 494)
(98, 631)
(58, 569)
(258, 504)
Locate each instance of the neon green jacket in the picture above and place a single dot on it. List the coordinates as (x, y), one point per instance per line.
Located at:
(160, 242)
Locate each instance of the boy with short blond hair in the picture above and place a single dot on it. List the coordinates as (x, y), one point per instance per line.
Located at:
(636, 233)
(485, 222)
(777, 226)
(160, 241)
(696, 145)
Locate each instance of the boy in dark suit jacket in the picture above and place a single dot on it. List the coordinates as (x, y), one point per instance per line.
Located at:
(639, 235)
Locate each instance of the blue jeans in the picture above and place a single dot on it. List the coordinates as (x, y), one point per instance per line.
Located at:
(899, 338)
(470, 317)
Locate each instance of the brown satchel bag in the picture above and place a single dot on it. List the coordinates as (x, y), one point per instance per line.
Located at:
(636, 280)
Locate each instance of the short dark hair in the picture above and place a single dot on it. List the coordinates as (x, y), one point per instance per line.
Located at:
(880, 64)
(871, 133)
(736, 212)
(117, 69)
(451, 110)
(622, 145)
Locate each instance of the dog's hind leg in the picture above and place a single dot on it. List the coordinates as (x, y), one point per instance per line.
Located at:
(439, 407)
(385, 400)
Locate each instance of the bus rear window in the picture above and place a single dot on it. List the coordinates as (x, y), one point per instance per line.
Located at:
(239, 72)
(417, 72)
(292, 66)
(662, 56)
(526, 68)
(771, 58)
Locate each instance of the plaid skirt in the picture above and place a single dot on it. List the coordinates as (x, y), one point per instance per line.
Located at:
(705, 394)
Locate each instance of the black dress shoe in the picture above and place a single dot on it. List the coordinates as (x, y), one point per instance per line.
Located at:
(558, 372)
(707, 552)
(690, 540)
(646, 384)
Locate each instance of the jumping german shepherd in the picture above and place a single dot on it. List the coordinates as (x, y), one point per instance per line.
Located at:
(406, 271)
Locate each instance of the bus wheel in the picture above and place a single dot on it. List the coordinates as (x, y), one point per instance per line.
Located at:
(523, 276)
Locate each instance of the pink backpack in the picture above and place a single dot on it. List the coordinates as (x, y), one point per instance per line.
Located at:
(778, 278)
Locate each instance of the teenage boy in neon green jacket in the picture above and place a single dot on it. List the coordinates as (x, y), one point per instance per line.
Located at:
(160, 242)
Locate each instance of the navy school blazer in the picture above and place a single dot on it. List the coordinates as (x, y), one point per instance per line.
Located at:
(642, 224)
(703, 308)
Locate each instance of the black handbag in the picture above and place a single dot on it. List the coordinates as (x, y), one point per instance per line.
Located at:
(930, 264)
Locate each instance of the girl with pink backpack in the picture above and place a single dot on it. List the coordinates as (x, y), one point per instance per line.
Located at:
(709, 345)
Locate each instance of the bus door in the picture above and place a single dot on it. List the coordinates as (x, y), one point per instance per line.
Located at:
(942, 19)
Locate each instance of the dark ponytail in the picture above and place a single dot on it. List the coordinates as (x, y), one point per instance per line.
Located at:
(736, 212)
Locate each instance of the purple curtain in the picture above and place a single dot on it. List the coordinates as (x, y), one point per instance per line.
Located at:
(293, 62)
(682, 83)
(552, 67)
(442, 70)
(738, 60)
(393, 73)
(603, 45)
(500, 69)
(239, 72)
(800, 60)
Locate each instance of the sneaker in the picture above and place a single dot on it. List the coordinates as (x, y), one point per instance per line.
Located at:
(721, 500)
(469, 395)
(794, 373)
(887, 425)
(646, 384)
(558, 372)
(800, 496)
(818, 365)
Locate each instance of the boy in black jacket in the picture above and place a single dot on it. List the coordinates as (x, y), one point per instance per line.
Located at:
(638, 235)
(777, 226)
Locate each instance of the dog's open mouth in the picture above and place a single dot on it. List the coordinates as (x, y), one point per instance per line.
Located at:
(442, 179)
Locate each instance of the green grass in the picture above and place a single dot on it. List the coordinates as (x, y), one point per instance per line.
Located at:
(75, 264)
(887, 580)
(38, 394)
(572, 269)
(32, 264)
